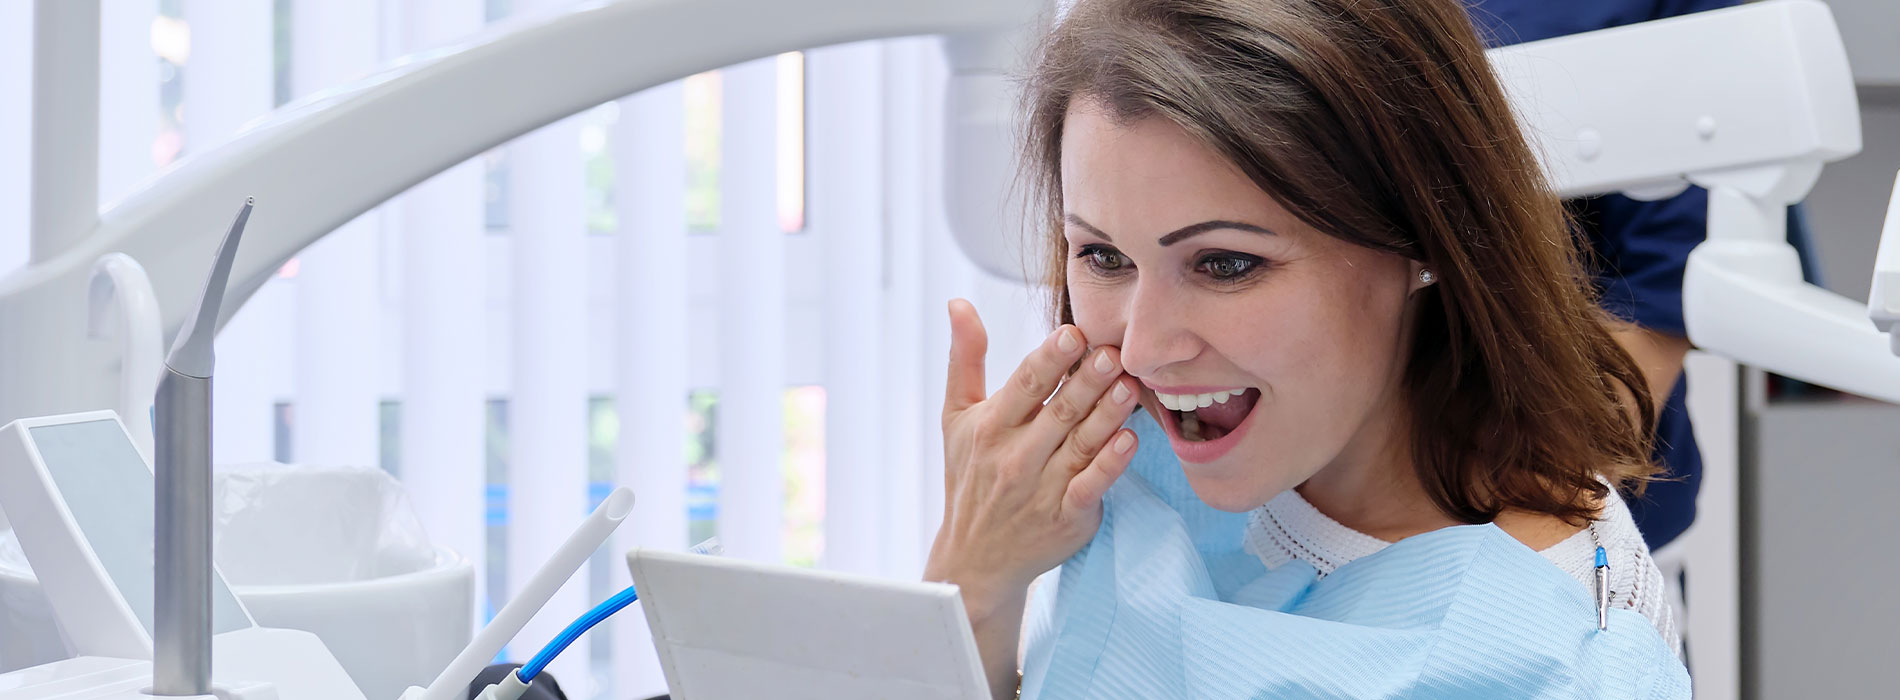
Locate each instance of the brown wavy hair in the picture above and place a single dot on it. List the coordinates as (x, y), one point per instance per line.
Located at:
(1379, 122)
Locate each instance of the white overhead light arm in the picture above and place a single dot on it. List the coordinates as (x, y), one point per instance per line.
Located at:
(318, 165)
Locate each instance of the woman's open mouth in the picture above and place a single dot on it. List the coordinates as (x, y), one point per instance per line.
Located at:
(1204, 426)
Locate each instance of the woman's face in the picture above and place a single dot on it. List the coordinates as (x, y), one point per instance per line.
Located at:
(1208, 286)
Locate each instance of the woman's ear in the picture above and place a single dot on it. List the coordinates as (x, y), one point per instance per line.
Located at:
(1422, 275)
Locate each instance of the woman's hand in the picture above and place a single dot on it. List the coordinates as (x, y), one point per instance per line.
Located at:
(1023, 481)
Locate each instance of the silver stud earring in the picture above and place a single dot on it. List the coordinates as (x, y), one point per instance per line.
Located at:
(1427, 277)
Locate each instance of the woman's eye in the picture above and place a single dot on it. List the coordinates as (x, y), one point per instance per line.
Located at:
(1229, 267)
(1103, 259)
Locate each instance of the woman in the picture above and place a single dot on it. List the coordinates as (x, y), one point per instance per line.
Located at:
(1306, 239)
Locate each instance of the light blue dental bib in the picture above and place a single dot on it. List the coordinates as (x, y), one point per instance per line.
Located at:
(1166, 603)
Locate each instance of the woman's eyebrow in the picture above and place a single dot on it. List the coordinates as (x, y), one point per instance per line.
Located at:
(1179, 234)
(1186, 232)
(1086, 226)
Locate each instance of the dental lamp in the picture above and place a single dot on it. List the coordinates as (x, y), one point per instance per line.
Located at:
(1776, 102)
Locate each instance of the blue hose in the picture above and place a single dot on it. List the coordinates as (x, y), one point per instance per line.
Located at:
(574, 631)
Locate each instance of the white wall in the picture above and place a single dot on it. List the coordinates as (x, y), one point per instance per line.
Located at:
(1869, 28)
(1827, 485)
(1849, 203)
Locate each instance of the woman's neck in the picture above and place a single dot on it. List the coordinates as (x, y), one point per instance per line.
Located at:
(1372, 486)
(1387, 506)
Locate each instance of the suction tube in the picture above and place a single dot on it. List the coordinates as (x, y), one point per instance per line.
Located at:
(454, 680)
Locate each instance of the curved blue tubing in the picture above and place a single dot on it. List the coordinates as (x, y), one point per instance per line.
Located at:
(574, 631)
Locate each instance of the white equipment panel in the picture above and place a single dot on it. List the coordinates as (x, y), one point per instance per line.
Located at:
(728, 629)
(80, 498)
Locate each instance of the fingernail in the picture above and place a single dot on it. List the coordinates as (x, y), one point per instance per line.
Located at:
(1102, 363)
(1123, 442)
(1066, 340)
(1121, 393)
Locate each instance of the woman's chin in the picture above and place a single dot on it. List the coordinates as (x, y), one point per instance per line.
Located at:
(1232, 492)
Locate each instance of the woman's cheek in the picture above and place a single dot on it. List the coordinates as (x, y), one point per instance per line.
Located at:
(1096, 312)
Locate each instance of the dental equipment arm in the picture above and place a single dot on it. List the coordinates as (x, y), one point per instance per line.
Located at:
(181, 634)
(1883, 299)
(1772, 103)
(1743, 297)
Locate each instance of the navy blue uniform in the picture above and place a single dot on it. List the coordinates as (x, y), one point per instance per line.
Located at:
(1639, 248)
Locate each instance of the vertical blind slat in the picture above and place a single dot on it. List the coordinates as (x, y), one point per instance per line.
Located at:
(338, 332)
(904, 309)
(650, 196)
(128, 96)
(750, 429)
(547, 413)
(65, 67)
(945, 274)
(442, 254)
(547, 416)
(224, 92)
(847, 215)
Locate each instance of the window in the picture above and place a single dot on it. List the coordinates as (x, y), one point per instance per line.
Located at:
(791, 142)
(171, 40)
(597, 160)
(802, 460)
(703, 99)
(703, 124)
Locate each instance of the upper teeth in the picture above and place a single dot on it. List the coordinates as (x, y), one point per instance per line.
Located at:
(1189, 402)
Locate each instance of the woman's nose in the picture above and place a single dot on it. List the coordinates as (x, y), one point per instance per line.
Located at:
(1158, 332)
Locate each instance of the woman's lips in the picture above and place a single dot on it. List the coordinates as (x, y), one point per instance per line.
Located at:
(1205, 451)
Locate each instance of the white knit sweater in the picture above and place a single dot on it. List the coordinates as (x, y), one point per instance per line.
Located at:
(1289, 528)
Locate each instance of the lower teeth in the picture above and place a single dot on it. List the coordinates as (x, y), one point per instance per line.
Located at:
(1191, 427)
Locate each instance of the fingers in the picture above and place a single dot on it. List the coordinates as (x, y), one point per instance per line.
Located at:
(1086, 490)
(1085, 442)
(1039, 375)
(1077, 398)
(968, 344)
